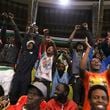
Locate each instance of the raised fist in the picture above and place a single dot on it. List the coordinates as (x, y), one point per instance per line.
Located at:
(35, 28)
(77, 27)
(10, 15)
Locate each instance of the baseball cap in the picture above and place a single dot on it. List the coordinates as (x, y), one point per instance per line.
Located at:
(41, 87)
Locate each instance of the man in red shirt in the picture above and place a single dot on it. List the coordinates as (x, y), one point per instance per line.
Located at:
(60, 100)
(34, 99)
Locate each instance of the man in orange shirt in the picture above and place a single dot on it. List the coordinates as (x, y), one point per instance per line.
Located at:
(93, 77)
(60, 100)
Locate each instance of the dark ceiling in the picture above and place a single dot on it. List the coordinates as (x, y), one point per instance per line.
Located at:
(60, 22)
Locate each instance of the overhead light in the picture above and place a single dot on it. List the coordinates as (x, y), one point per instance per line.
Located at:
(64, 2)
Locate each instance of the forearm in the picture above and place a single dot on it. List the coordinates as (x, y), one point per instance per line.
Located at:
(91, 54)
(84, 59)
(72, 35)
(89, 35)
(14, 24)
(16, 32)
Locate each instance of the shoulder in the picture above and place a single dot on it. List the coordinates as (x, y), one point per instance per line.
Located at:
(107, 73)
(72, 104)
(50, 104)
(22, 100)
(51, 101)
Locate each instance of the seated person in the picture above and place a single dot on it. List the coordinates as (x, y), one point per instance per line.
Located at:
(60, 100)
(98, 97)
(34, 99)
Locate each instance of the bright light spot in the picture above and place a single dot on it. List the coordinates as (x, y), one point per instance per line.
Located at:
(64, 2)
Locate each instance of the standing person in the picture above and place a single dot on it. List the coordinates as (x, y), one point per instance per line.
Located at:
(105, 61)
(26, 61)
(9, 52)
(46, 63)
(98, 97)
(76, 55)
(60, 101)
(93, 77)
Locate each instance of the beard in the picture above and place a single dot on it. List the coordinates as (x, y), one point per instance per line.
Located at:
(35, 105)
(61, 98)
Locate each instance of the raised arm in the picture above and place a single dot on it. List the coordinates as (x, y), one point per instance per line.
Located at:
(74, 31)
(71, 37)
(46, 40)
(16, 30)
(86, 32)
(85, 56)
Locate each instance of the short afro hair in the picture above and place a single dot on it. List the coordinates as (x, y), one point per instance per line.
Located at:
(95, 87)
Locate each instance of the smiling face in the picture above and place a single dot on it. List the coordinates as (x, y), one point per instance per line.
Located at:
(61, 93)
(99, 100)
(60, 89)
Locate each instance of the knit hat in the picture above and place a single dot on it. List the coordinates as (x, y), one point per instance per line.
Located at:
(30, 41)
(41, 87)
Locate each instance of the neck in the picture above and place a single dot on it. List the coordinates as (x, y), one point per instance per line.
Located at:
(62, 101)
(32, 107)
(60, 73)
(49, 55)
(95, 70)
(80, 51)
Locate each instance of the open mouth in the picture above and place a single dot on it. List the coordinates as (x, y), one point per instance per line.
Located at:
(97, 65)
(101, 107)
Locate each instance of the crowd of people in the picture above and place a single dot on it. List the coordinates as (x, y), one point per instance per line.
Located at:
(74, 79)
